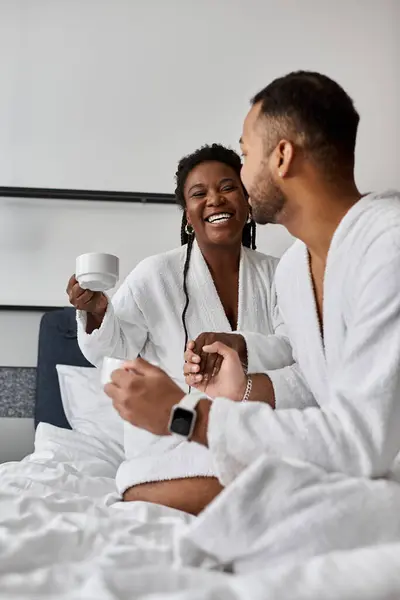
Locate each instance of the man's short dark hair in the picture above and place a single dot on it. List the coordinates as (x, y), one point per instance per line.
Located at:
(316, 110)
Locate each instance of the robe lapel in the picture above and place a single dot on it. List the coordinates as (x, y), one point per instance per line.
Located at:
(203, 290)
(311, 353)
(204, 299)
(251, 297)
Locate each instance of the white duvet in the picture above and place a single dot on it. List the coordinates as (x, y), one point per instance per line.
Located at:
(65, 535)
(62, 529)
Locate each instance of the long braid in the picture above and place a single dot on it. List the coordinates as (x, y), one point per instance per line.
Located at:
(186, 239)
(253, 234)
(249, 235)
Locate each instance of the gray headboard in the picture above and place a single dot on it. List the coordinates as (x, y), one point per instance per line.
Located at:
(17, 391)
(57, 345)
(34, 392)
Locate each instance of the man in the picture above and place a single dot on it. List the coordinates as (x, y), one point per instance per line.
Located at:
(338, 291)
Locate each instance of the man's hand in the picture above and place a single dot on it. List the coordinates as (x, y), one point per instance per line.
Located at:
(144, 395)
(201, 366)
(231, 380)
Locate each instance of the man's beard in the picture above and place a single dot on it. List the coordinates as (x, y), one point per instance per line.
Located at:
(266, 198)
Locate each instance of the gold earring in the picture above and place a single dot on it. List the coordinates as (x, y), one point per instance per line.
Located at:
(189, 229)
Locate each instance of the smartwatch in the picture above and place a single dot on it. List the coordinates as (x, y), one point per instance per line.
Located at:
(183, 415)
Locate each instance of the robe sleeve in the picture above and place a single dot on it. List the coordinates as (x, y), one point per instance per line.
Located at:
(356, 429)
(290, 388)
(123, 331)
(273, 356)
(265, 352)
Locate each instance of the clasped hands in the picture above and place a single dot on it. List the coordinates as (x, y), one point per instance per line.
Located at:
(144, 394)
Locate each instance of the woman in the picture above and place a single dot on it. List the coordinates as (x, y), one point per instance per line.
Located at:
(211, 283)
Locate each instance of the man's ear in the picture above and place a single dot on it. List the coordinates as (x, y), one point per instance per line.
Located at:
(284, 154)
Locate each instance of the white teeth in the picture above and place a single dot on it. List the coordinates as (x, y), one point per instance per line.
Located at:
(218, 218)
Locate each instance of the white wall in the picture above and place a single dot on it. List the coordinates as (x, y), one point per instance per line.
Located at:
(40, 239)
(108, 94)
(18, 347)
(16, 438)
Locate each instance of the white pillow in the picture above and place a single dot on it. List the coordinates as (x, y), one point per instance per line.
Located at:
(88, 409)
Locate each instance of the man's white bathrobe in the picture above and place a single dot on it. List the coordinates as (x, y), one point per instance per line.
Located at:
(352, 374)
(300, 481)
(145, 317)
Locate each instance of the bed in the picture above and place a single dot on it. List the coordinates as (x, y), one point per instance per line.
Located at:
(62, 499)
(64, 534)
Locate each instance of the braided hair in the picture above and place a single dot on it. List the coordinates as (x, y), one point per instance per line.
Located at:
(215, 153)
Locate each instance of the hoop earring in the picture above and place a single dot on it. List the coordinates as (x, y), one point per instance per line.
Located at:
(189, 229)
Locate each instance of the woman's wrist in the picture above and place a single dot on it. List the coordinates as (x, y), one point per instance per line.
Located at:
(95, 318)
(241, 349)
(100, 309)
(262, 389)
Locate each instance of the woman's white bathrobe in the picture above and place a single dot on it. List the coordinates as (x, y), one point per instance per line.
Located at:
(145, 317)
(352, 374)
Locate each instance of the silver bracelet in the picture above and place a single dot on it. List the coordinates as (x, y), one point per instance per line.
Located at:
(248, 389)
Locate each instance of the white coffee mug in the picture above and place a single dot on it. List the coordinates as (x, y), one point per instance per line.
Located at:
(96, 271)
(108, 367)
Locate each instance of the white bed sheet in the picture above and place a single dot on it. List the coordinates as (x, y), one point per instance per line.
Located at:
(61, 521)
(65, 535)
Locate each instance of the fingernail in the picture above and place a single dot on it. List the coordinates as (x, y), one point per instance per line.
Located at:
(195, 369)
(198, 378)
(196, 359)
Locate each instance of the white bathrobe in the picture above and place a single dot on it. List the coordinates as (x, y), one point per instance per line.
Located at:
(290, 495)
(145, 317)
(352, 374)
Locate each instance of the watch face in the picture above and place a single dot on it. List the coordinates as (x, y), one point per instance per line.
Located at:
(182, 421)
